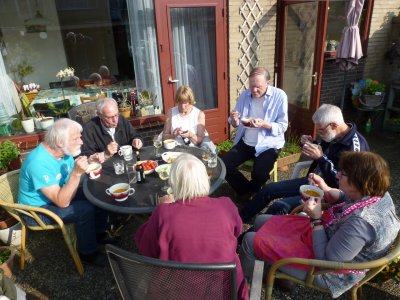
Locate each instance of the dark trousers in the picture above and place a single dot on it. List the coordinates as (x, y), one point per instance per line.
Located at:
(288, 190)
(262, 165)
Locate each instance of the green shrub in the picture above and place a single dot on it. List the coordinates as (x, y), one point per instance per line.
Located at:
(8, 152)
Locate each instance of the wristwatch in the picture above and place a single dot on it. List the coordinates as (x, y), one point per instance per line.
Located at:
(316, 222)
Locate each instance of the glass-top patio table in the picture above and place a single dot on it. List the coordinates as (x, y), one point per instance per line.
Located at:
(144, 200)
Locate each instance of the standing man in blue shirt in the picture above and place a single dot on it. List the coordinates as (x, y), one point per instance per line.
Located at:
(268, 108)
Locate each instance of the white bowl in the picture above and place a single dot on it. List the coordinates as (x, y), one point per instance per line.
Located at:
(169, 144)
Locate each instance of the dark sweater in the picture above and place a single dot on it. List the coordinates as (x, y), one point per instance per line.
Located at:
(96, 139)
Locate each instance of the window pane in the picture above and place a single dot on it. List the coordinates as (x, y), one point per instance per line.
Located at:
(193, 33)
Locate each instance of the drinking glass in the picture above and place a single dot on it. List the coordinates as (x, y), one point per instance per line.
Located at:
(213, 160)
(131, 171)
(157, 143)
(119, 166)
(205, 156)
(164, 175)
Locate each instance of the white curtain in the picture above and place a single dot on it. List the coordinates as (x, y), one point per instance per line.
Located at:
(8, 92)
(193, 34)
(144, 47)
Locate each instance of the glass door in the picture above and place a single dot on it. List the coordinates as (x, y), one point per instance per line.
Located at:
(193, 52)
(300, 60)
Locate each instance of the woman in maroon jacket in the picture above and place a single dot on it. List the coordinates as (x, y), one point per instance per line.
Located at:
(193, 228)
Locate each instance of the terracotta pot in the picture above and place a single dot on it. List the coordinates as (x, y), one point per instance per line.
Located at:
(7, 266)
(126, 112)
(15, 164)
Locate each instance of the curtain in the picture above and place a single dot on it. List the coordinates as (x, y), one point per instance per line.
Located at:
(143, 41)
(8, 94)
(193, 34)
(350, 50)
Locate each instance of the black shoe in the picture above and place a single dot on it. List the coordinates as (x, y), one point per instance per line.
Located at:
(96, 259)
(106, 238)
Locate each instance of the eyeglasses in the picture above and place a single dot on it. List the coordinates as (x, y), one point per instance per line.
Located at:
(323, 128)
(341, 174)
(110, 117)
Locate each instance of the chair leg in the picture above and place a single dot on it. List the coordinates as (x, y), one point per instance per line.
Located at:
(73, 252)
(23, 246)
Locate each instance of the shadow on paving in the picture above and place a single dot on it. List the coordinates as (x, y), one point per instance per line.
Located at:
(52, 275)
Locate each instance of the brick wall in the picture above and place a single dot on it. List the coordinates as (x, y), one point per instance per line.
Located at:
(376, 66)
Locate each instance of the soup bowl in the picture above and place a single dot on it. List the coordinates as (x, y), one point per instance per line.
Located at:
(120, 191)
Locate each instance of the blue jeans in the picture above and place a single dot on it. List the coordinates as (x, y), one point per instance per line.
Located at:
(87, 219)
(288, 190)
(262, 165)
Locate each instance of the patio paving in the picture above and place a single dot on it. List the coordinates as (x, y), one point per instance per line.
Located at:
(51, 273)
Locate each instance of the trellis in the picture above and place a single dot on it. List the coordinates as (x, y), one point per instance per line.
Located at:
(251, 12)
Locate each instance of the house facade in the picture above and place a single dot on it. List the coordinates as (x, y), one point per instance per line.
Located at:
(156, 46)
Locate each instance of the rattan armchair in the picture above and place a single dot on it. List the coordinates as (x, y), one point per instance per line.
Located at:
(9, 183)
(318, 267)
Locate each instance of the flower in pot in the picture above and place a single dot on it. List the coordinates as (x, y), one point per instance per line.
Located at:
(9, 152)
(372, 92)
(291, 151)
(62, 74)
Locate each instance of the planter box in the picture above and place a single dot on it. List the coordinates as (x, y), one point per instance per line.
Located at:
(288, 160)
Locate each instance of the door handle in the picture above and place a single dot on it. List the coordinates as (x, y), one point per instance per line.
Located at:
(170, 80)
(315, 75)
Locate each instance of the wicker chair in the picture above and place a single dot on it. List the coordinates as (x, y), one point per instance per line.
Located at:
(140, 277)
(318, 267)
(9, 183)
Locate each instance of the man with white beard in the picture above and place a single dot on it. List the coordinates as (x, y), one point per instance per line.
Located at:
(50, 177)
(337, 136)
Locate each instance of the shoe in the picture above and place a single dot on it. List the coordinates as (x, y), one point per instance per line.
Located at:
(106, 238)
(95, 259)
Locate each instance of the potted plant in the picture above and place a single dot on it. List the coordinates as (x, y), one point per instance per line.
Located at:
(7, 255)
(372, 92)
(146, 101)
(9, 155)
(224, 147)
(291, 151)
(124, 105)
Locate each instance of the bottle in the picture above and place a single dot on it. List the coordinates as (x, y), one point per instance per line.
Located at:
(139, 173)
(137, 156)
(368, 126)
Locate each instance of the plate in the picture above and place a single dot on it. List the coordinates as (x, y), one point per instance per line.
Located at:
(149, 165)
(162, 167)
(169, 157)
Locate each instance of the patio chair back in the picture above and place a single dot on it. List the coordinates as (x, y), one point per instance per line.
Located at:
(9, 184)
(83, 113)
(140, 277)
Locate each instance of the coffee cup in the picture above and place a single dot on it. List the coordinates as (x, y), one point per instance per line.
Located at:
(169, 144)
(310, 192)
(126, 152)
(120, 191)
(94, 170)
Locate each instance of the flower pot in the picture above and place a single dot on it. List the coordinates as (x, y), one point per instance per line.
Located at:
(28, 125)
(7, 266)
(11, 235)
(371, 101)
(38, 123)
(15, 164)
(47, 122)
(126, 112)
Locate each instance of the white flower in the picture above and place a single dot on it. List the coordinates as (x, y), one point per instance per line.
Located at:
(67, 72)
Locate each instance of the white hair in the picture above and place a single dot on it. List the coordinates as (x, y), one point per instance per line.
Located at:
(188, 178)
(59, 133)
(103, 102)
(328, 113)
